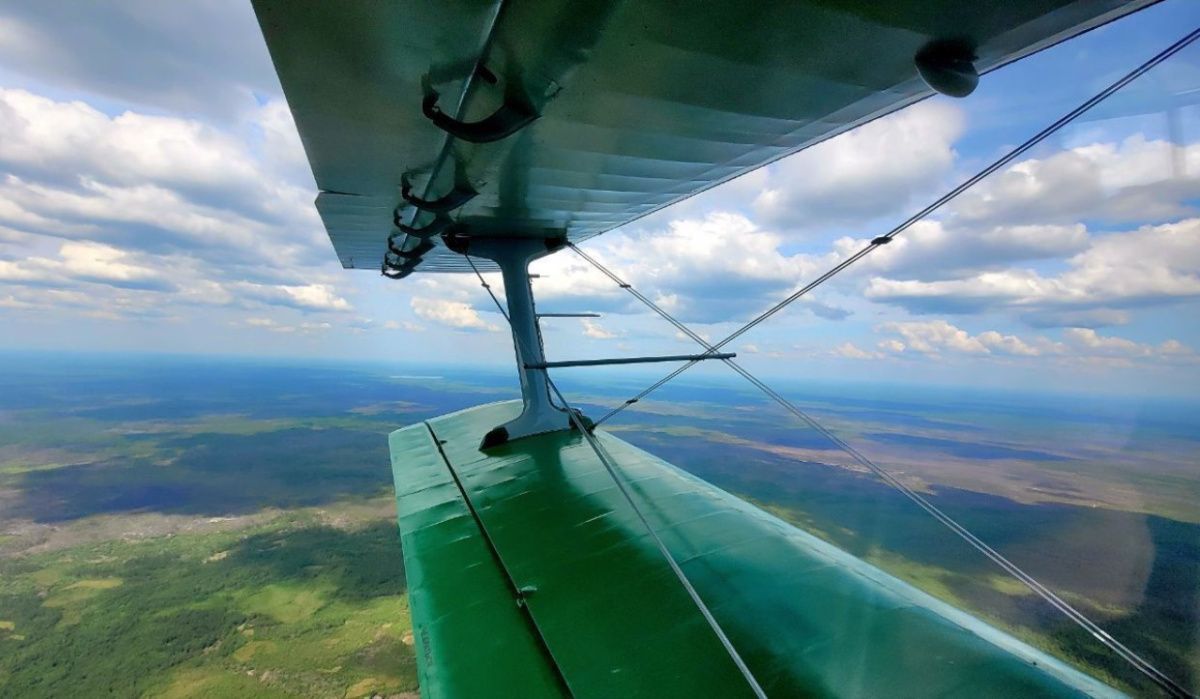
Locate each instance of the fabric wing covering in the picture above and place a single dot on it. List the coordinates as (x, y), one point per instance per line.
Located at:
(530, 576)
(638, 104)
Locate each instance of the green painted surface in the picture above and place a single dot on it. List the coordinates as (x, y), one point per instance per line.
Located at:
(470, 638)
(809, 619)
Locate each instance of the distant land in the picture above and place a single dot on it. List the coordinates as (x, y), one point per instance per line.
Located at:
(183, 526)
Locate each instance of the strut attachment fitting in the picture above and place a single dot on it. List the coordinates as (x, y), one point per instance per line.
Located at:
(513, 255)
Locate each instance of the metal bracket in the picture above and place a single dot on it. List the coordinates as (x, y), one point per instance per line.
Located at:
(461, 194)
(394, 271)
(435, 227)
(511, 117)
(415, 253)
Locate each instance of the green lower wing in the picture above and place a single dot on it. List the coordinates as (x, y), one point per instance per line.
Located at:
(530, 576)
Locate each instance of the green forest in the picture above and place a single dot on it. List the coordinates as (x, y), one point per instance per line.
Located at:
(294, 607)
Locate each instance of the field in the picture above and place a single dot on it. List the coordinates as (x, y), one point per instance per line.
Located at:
(176, 527)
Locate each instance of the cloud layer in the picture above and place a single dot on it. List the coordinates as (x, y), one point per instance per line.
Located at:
(129, 201)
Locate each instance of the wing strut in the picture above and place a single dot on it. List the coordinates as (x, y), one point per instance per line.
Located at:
(631, 360)
(584, 427)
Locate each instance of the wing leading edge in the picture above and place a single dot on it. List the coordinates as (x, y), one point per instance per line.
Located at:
(527, 569)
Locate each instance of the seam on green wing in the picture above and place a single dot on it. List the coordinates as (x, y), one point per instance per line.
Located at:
(512, 584)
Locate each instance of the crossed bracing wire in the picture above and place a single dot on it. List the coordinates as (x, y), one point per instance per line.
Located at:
(923, 213)
(1142, 665)
(585, 429)
(1170, 686)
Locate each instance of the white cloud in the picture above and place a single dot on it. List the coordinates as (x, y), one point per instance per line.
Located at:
(721, 267)
(54, 138)
(933, 337)
(852, 351)
(452, 314)
(1006, 344)
(158, 183)
(200, 57)
(938, 337)
(1090, 341)
(84, 262)
(1134, 180)
(166, 212)
(936, 250)
(594, 330)
(309, 297)
(870, 171)
(1152, 265)
(105, 264)
(403, 325)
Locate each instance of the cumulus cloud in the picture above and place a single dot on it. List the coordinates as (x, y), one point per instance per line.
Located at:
(864, 173)
(279, 327)
(1087, 339)
(936, 338)
(1134, 180)
(53, 138)
(160, 210)
(934, 249)
(155, 181)
(722, 267)
(200, 57)
(309, 297)
(595, 331)
(451, 314)
(84, 262)
(1152, 265)
(405, 325)
(850, 350)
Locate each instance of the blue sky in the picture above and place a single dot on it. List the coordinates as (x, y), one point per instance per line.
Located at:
(154, 197)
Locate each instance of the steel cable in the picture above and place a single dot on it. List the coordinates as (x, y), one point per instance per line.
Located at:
(606, 460)
(937, 204)
(1145, 667)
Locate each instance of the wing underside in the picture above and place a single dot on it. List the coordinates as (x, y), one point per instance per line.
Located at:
(639, 104)
(530, 576)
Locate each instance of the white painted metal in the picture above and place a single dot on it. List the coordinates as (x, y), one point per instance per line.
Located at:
(513, 255)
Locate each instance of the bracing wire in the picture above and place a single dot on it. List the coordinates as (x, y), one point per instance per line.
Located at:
(1145, 667)
(606, 461)
(937, 204)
